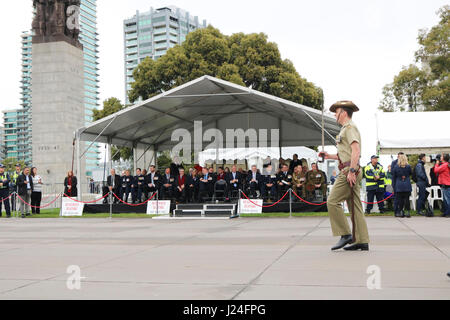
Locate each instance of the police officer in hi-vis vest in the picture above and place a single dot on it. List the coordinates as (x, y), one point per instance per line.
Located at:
(13, 185)
(375, 183)
(347, 185)
(4, 191)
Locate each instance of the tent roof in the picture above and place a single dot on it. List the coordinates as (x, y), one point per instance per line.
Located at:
(218, 104)
(413, 132)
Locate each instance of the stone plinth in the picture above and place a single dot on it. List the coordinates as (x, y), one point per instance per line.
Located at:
(57, 108)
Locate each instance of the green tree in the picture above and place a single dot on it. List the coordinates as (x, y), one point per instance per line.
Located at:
(426, 88)
(10, 164)
(246, 59)
(111, 106)
(405, 93)
(164, 160)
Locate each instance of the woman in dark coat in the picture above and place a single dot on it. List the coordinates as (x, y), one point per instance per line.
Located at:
(70, 185)
(401, 177)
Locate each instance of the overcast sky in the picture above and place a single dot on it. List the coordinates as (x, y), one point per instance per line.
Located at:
(350, 48)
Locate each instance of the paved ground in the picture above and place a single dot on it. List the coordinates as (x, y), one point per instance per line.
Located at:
(229, 259)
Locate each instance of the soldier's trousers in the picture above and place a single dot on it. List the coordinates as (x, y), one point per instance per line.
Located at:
(339, 224)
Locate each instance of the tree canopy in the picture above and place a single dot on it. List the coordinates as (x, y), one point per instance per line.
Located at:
(246, 59)
(10, 164)
(424, 88)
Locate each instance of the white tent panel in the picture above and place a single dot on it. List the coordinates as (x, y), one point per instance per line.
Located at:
(217, 104)
(413, 132)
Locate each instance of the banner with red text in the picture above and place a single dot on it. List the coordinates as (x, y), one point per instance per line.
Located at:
(71, 208)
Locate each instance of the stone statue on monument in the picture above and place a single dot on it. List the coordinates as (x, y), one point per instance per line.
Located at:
(56, 20)
(39, 20)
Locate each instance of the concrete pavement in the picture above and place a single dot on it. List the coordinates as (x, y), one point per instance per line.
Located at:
(248, 258)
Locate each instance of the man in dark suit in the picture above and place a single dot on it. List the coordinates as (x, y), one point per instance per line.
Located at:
(138, 186)
(113, 183)
(167, 185)
(24, 189)
(269, 184)
(126, 182)
(294, 163)
(206, 185)
(153, 180)
(284, 181)
(234, 182)
(254, 181)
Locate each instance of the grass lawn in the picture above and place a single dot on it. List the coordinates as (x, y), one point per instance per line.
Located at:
(54, 213)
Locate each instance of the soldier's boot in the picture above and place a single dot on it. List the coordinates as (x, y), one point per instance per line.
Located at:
(357, 246)
(343, 242)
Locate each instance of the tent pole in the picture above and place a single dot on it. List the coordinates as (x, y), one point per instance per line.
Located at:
(279, 137)
(79, 166)
(110, 155)
(217, 148)
(155, 148)
(135, 156)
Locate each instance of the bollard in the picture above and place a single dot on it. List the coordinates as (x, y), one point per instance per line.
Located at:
(110, 205)
(61, 206)
(16, 201)
(239, 203)
(290, 203)
(157, 202)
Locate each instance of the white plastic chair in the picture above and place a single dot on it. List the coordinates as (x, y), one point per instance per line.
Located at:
(435, 195)
(413, 199)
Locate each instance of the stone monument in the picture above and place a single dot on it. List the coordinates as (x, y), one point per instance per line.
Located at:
(57, 89)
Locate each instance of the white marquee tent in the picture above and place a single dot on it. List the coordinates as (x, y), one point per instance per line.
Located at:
(413, 132)
(147, 127)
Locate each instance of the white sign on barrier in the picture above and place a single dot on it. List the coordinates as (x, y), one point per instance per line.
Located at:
(71, 208)
(158, 207)
(247, 207)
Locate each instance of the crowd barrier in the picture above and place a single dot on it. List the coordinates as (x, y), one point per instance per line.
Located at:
(290, 192)
(110, 195)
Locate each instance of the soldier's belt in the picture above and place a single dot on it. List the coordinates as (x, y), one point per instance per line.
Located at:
(344, 165)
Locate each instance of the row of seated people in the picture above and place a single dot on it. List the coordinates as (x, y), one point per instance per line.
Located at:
(198, 186)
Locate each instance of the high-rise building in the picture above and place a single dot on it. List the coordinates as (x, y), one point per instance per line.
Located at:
(152, 33)
(89, 39)
(16, 141)
(18, 123)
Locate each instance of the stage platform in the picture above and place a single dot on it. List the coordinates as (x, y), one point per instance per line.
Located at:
(281, 207)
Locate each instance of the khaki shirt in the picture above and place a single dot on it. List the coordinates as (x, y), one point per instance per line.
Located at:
(349, 134)
(315, 177)
(299, 178)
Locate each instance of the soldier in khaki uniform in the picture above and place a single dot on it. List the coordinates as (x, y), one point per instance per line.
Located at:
(315, 180)
(348, 181)
(298, 181)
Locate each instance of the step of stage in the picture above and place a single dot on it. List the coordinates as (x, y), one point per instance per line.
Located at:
(190, 206)
(205, 210)
(188, 213)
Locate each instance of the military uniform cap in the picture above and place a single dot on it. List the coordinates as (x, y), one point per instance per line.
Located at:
(344, 104)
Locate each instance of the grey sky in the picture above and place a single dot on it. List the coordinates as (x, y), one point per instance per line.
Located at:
(350, 48)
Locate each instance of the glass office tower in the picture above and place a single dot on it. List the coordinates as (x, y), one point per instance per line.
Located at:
(152, 33)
